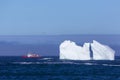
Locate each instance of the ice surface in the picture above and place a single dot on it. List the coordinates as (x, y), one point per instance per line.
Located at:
(102, 52)
(69, 50)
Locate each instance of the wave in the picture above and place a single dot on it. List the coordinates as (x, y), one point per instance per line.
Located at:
(90, 64)
(72, 63)
(110, 65)
(42, 62)
(46, 59)
(64, 62)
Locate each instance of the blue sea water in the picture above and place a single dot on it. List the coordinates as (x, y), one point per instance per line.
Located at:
(51, 68)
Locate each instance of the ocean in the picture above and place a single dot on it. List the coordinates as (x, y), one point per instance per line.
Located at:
(48, 66)
(51, 68)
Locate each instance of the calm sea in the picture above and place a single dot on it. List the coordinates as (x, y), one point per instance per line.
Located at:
(51, 68)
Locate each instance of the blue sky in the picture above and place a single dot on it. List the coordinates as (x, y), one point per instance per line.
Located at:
(54, 17)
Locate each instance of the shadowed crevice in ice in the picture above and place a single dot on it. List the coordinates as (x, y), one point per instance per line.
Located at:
(91, 53)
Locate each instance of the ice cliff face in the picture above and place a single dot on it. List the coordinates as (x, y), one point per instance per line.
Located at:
(102, 52)
(70, 51)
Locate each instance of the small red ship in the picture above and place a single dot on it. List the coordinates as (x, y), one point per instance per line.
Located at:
(31, 55)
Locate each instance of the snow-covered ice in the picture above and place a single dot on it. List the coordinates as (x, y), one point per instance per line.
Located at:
(102, 52)
(71, 51)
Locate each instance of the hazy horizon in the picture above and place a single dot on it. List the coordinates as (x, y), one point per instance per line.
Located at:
(48, 45)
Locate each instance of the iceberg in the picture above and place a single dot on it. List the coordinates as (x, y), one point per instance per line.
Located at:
(102, 52)
(69, 50)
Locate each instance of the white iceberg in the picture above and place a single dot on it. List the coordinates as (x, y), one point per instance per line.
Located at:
(71, 51)
(102, 52)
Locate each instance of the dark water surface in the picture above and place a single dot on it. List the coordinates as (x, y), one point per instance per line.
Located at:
(51, 68)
